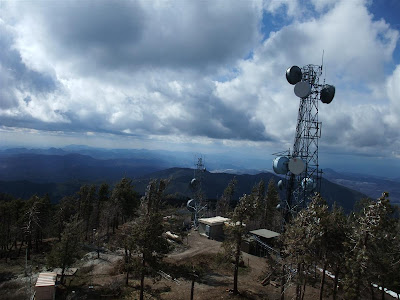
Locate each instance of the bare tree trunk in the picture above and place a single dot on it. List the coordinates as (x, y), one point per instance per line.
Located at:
(315, 275)
(335, 282)
(237, 260)
(192, 289)
(372, 291)
(37, 244)
(8, 254)
(283, 282)
(127, 263)
(298, 286)
(321, 290)
(20, 247)
(127, 276)
(305, 283)
(142, 278)
(383, 289)
(304, 290)
(29, 248)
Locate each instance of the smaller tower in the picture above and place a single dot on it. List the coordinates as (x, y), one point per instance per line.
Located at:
(196, 204)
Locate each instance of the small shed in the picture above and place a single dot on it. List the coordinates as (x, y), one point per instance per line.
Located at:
(264, 241)
(265, 234)
(213, 228)
(45, 288)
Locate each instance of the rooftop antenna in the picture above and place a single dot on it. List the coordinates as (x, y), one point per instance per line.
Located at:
(300, 167)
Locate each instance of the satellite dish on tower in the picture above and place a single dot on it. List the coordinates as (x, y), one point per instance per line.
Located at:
(327, 93)
(191, 205)
(308, 184)
(296, 165)
(193, 183)
(281, 184)
(294, 75)
(302, 89)
(280, 165)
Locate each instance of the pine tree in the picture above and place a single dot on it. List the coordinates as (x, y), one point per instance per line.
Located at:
(305, 241)
(147, 238)
(65, 209)
(244, 211)
(31, 222)
(370, 248)
(65, 252)
(224, 202)
(124, 201)
(337, 234)
(271, 218)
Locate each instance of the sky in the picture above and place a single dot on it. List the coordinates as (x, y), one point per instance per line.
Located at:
(201, 76)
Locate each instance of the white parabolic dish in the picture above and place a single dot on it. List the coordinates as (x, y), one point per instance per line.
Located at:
(302, 89)
(296, 165)
(191, 205)
(280, 165)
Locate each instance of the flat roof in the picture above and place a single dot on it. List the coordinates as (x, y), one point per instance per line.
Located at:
(46, 279)
(265, 233)
(67, 271)
(218, 220)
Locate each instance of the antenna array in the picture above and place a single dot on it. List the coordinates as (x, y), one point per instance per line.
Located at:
(301, 169)
(196, 205)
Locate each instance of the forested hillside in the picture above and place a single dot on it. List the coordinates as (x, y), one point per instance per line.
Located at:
(179, 179)
(358, 249)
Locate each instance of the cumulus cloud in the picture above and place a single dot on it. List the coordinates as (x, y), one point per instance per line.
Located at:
(195, 69)
(95, 36)
(357, 49)
(132, 67)
(393, 92)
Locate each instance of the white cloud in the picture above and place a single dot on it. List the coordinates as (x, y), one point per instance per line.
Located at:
(356, 51)
(292, 7)
(151, 69)
(393, 92)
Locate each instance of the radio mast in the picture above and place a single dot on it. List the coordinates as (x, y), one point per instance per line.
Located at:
(300, 167)
(196, 205)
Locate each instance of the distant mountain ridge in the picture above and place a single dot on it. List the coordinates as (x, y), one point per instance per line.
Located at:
(43, 168)
(213, 185)
(372, 186)
(86, 164)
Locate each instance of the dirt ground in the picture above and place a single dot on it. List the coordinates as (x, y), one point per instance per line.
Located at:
(96, 275)
(218, 283)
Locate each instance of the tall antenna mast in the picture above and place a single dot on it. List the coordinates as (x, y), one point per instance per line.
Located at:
(196, 205)
(301, 168)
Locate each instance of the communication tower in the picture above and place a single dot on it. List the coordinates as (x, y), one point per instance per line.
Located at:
(196, 204)
(300, 167)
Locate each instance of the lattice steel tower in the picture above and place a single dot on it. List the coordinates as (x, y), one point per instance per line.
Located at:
(196, 205)
(300, 167)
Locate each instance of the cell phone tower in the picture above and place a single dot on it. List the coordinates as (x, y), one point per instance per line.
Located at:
(196, 205)
(300, 167)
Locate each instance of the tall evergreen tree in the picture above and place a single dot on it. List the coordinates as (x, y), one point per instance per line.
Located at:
(224, 202)
(125, 200)
(271, 216)
(147, 238)
(304, 240)
(243, 212)
(65, 209)
(65, 252)
(31, 222)
(370, 248)
(337, 234)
